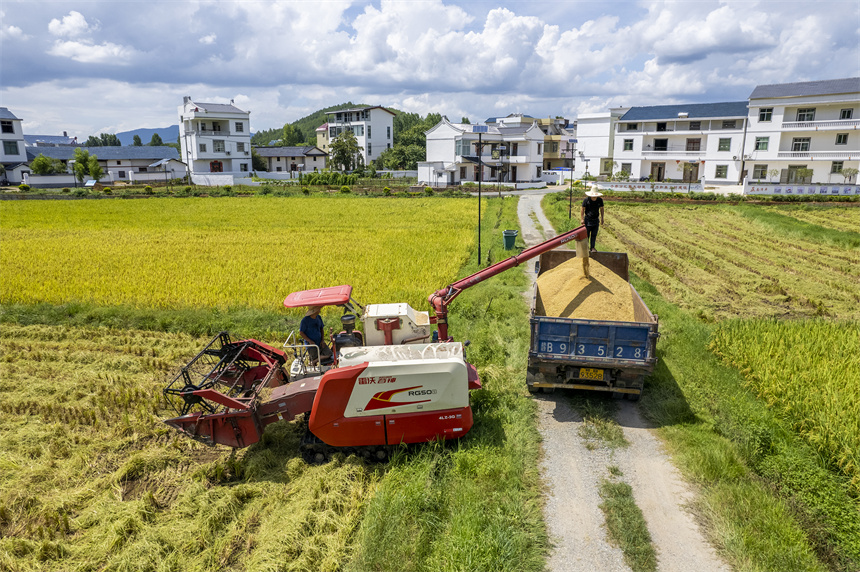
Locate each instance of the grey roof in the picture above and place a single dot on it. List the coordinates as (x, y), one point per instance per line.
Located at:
(219, 107)
(693, 111)
(6, 114)
(143, 152)
(803, 88)
(49, 140)
(288, 151)
(164, 162)
(513, 130)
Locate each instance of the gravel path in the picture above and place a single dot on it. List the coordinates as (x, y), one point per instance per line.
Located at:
(572, 474)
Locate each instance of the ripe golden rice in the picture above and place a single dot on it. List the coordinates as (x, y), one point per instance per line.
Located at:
(567, 293)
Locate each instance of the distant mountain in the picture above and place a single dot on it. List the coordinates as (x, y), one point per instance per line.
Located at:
(167, 134)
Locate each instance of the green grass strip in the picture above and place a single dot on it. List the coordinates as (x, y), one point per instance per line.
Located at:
(790, 226)
(626, 526)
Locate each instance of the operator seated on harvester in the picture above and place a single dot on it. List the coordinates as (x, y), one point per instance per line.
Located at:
(311, 330)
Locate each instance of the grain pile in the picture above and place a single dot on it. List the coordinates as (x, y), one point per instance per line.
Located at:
(566, 293)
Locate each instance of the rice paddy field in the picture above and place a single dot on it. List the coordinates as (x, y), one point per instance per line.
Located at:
(90, 477)
(230, 253)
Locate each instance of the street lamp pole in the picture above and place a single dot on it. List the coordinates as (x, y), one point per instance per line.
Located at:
(480, 176)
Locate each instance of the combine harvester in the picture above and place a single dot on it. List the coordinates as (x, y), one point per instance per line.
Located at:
(400, 381)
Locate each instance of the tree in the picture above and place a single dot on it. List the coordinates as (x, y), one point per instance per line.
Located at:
(466, 121)
(93, 141)
(848, 173)
(95, 169)
(42, 165)
(345, 151)
(257, 162)
(291, 136)
(773, 173)
(81, 167)
(110, 140)
(156, 140)
(137, 142)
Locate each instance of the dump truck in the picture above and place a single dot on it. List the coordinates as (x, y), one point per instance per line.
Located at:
(595, 355)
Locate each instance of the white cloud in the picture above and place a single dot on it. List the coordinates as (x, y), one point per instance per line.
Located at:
(72, 25)
(208, 40)
(12, 33)
(108, 53)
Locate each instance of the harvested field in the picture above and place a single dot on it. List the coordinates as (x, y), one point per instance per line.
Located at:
(566, 292)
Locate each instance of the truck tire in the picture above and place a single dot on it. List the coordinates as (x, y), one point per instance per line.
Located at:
(531, 379)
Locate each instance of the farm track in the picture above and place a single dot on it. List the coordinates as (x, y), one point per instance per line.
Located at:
(573, 469)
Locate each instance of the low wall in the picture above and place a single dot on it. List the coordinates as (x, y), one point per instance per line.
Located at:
(794, 189)
(50, 181)
(640, 186)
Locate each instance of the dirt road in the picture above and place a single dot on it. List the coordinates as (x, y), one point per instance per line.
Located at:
(572, 473)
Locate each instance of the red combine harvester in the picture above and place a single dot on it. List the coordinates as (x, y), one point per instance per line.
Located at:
(398, 381)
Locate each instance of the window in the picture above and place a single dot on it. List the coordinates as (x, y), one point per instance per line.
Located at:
(806, 114)
(761, 143)
(240, 127)
(203, 147)
(729, 123)
(121, 174)
(539, 147)
(844, 114)
(461, 147)
(661, 144)
(243, 167)
(389, 146)
(537, 172)
(836, 166)
(694, 144)
(722, 172)
(627, 167)
(695, 125)
(842, 139)
(240, 147)
(661, 127)
(765, 113)
(368, 131)
(759, 172)
(632, 126)
(725, 144)
(10, 147)
(119, 162)
(216, 126)
(7, 127)
(202, 126)
(218, 146)
(800, 144)
(628, 144)
(369, 149)
(462, 173)
(388, 132)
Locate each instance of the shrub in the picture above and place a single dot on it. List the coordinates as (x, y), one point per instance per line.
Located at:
(107, 191)
(23, 188)
(228, 189)
(428, 191)
(345, 189)
(66, 189)
(81, 192)
(305, 191)
(147, 189)
(266, 190)
(386, 191)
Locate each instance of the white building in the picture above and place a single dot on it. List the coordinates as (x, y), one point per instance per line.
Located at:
(509, 154)
(307, 158)
(794, 127)
(373, 128)
(685, 142)
(214, 137)
(595, 142)
(12, 153)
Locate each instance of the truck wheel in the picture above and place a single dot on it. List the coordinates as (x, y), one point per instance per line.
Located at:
(633, 397)
(532, 388)
(548, 389)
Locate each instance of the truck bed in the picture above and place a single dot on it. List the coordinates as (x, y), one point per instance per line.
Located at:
(598, 355)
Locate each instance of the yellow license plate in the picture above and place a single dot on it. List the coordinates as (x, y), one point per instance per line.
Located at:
(587, 373)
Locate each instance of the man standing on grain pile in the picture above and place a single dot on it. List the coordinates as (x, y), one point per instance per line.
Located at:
(591, 215)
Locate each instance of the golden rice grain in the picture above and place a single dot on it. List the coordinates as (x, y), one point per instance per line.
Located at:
(566, 293)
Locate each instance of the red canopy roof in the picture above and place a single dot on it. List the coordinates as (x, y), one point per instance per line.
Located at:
(331, 296)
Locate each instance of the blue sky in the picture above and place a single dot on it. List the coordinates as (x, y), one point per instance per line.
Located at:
(94, 66)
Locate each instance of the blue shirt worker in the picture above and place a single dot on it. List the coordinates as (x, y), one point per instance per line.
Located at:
(591, 215)
(311, 331)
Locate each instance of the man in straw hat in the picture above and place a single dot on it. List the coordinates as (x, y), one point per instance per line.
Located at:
(591, 214)
(311, 330)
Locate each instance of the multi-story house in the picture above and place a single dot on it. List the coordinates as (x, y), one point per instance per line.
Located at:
(373, 128)
(803, 132)
(685, 142)
(289, 159)
(595, 142)
(12, 152)
(559, 137)
(460, 152)
(214, 137)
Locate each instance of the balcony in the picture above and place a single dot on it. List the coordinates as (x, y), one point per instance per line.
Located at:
(812, 155)
(818, 125)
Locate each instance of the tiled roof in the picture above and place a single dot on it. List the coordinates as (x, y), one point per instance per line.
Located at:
(288, 151)
(48, 140)
(6, 114)
(144, 152)
(805, 88)
(693, 111)
(219, 107)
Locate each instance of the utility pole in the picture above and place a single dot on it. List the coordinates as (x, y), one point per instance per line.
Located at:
(480, 130)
